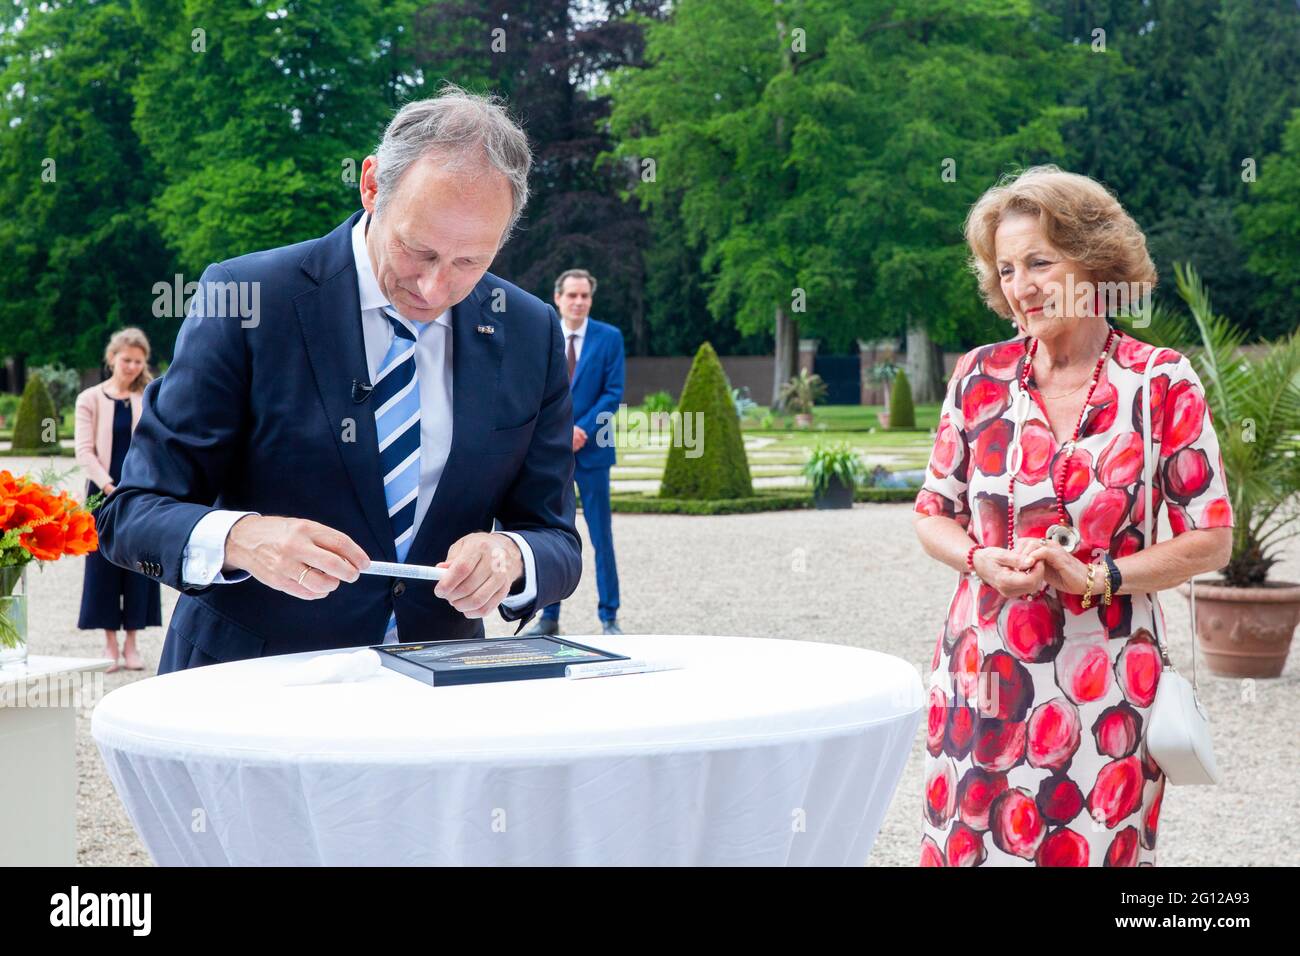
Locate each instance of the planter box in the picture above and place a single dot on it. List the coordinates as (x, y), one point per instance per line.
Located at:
(836, 495)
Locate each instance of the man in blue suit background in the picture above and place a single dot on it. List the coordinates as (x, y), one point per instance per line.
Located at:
(594, 353)
(371, 393)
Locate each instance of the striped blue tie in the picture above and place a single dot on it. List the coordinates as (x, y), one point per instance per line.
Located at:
(396, 400)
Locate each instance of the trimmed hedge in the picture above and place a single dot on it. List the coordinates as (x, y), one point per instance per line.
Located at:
(38, 452)
(886, 495)
(902, 413)
(721, 470)
(35, 408)
(777, 499)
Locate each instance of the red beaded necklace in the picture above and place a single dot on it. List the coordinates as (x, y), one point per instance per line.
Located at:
(1062, 532)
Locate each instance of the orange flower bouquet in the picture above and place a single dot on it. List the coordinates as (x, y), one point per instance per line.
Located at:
(35, 524)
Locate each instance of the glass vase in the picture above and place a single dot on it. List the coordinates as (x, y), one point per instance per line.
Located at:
(13, 615)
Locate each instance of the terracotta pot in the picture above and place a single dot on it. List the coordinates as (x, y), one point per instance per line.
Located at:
(883, 418)
(803, 421)
(1245, 632)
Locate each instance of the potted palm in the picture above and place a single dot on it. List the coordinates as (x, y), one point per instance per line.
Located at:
(882, 374)
(1245, 621)
(834, 471)
(800, 394)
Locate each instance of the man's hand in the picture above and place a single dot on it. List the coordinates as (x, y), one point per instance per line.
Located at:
(579, 438)
(275, 550)
(481, 569)
(1007, 572)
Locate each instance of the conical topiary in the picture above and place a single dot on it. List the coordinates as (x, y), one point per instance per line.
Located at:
(716, 466)
(35, 410)
(902, 413)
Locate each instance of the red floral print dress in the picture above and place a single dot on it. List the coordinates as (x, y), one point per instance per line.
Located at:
(1035, 744)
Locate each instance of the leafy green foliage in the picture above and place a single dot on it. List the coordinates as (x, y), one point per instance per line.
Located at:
(253, 123)
(62, 383)
(720, 469)
(801, 393)
(834, 462)
(1271, 222)
(79, 249)
(659, 402)
(1255, 405)
(1185, 96)
(820, 169)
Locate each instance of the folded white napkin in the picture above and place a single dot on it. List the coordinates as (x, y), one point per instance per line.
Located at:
(333, 668)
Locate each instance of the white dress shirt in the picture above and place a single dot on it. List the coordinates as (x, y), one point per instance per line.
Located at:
(205, 551)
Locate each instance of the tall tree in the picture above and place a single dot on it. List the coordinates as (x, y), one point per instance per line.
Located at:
(546, 57)
(1271, 222)
(259, 117)
(1182, 99)
(825, 153)
(76, 239)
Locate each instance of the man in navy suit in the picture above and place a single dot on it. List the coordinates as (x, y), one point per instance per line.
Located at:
(384, 397)
(594, 353)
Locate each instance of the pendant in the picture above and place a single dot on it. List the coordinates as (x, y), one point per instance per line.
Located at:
(1064, 535)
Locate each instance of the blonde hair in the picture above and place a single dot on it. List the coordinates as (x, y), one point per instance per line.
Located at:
(125, 339)
(1078, 216)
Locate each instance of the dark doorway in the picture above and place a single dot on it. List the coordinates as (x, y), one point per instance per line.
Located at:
(840, 373)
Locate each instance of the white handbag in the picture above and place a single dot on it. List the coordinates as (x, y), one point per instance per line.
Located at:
(1178, 728)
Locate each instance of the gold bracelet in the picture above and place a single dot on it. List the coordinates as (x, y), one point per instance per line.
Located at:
(1105, 598)
(1087, 590)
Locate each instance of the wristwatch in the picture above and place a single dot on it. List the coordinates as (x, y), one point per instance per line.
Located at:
(1112, 572)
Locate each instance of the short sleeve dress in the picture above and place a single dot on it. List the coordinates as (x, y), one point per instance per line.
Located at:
(1035, 743)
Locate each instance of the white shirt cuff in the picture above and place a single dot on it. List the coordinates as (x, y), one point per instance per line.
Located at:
(526, 596)
(205, 552)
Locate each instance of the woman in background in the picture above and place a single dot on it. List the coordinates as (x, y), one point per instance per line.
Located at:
(114, 598)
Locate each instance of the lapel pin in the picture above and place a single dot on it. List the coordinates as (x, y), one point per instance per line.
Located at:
(487, 329)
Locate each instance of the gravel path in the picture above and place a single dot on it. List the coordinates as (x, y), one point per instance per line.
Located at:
(855, 578)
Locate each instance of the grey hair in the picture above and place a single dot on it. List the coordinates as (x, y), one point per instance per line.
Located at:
(463, 128)
(575, 274)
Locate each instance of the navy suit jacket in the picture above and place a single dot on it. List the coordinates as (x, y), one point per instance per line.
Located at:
(261, 415)
(597, 388)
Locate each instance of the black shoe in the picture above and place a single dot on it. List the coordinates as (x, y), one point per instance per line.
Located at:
(611, 627)
(545, 627)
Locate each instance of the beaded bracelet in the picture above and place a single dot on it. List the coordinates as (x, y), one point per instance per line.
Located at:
(970, 556)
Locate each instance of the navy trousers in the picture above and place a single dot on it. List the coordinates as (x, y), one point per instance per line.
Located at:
(593, 488)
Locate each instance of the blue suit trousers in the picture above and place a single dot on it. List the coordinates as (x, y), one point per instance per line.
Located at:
(593, 488)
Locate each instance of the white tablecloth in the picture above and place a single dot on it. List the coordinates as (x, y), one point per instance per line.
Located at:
(758, 752)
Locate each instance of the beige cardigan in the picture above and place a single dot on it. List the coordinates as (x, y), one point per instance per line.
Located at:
(94, 433)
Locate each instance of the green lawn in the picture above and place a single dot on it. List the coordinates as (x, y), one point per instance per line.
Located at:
(858, 417)
(781, 450)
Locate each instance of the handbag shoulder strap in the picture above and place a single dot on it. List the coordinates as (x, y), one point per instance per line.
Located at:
(1149, 522)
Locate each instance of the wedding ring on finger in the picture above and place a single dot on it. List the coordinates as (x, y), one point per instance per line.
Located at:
(304, 574)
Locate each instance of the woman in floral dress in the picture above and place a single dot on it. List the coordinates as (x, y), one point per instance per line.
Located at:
(1042, 679)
